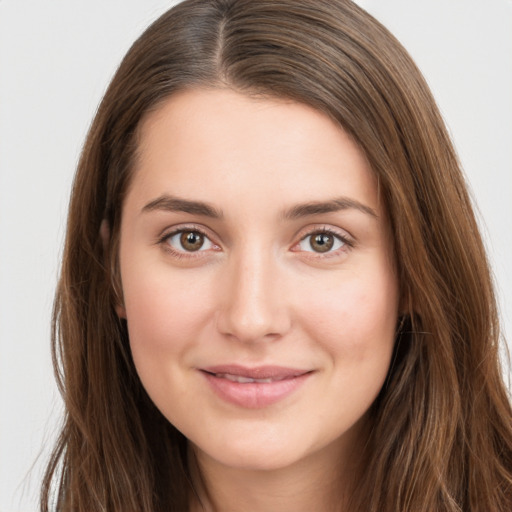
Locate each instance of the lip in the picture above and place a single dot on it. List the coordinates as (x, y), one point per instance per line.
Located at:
(254, 388)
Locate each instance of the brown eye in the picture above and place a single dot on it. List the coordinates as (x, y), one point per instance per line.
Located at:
(324, 241)
(186, 241)
(321, 242)
(191, 240)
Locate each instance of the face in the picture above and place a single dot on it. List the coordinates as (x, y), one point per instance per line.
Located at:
(259, 285)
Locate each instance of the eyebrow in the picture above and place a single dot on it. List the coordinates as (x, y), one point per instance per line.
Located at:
(334, 205)
(175, 204)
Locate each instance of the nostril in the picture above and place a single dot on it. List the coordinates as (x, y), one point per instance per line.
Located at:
(254, 325)
(252, 307)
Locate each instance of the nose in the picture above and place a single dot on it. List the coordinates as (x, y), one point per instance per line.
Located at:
(254, 306)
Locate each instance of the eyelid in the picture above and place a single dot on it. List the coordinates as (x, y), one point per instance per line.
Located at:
(166, 234)
(339, 233)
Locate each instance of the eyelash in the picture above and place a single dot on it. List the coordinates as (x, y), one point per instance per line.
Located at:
(164, 241)
(347, 242)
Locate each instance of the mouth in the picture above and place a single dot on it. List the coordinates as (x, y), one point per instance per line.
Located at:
(254, 388)
(243, 380)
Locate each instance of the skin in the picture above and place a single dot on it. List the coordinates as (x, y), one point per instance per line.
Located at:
(258, 292)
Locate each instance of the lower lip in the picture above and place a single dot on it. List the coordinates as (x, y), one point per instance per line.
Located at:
(254, 395)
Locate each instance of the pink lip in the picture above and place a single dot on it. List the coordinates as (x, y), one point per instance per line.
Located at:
(254, 395)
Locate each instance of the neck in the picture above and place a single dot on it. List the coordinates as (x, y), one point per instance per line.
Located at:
(321, 481)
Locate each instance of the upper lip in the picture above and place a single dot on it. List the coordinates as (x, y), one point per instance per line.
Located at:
(257, 372)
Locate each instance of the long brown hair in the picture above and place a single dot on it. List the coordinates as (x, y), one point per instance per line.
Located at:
(441, 437)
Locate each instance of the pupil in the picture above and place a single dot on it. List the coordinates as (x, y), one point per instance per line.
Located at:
(322, 242)
(192, 241)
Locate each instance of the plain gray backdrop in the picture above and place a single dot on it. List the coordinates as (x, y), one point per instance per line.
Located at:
(56, 58)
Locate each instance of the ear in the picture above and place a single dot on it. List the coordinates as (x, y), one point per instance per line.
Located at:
(121, 311)
(105, 240)
(405, 306)
(105, 233)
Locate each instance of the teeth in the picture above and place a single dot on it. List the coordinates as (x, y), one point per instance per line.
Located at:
(243, 380)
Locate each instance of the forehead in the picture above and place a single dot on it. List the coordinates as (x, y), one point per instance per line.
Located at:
(202, 141)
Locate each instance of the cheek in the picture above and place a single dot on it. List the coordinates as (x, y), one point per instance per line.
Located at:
(355, 318)
(164, 312)
(165, 315)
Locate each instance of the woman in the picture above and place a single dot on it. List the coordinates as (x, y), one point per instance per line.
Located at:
(274, 295)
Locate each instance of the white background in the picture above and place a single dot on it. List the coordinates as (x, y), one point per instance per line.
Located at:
(56, 58)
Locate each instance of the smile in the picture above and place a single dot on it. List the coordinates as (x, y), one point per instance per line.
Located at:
(254, 388)
(243, 380)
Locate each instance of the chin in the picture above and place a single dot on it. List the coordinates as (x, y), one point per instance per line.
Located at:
(245, 453)
(256, 454)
